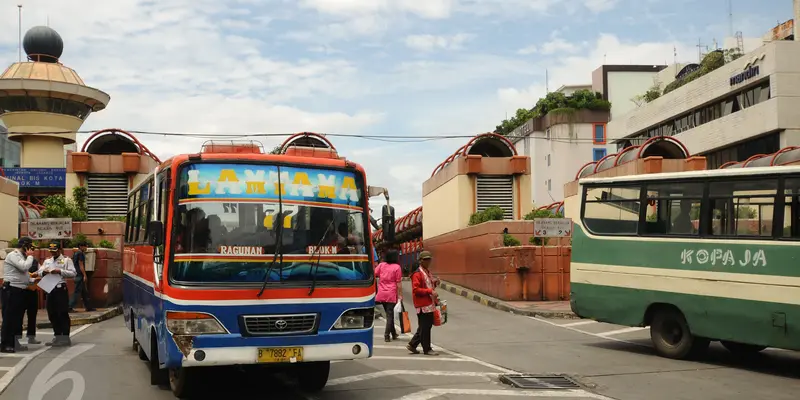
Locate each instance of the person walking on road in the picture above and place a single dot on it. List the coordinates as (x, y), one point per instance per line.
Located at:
(81, 282)
(425, 300)
(15, 279)
(58, 298)
(390, 290)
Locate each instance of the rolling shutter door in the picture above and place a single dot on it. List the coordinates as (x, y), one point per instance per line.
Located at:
(108, 196)
(496, 191)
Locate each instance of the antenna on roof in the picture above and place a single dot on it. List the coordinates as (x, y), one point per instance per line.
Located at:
(730, 17)
(19, 6)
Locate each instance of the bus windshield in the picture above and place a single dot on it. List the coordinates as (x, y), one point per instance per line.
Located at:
(228, 229)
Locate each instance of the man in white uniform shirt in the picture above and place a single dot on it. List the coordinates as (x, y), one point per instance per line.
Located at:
(58, 298)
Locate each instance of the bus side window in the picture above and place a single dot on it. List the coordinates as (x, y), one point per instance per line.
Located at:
(674, 208)
(743, 208)
(612, 210)
(791, 209)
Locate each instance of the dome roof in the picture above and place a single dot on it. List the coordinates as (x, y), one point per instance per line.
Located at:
(43, 44)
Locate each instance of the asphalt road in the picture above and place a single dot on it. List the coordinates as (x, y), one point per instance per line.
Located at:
(478, 344)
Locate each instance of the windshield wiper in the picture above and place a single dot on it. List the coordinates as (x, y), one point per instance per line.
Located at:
(311, 270)
(278, 240)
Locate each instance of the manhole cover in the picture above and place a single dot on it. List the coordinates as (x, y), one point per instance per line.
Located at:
(545, 382)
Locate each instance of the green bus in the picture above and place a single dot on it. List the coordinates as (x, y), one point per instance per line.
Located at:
(698, 256)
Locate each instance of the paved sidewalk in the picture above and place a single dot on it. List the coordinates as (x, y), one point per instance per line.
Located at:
(77, 318)
(546, 309)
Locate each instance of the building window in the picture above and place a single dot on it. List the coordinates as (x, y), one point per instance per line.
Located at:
(599, 136)
(598, 154)
(549, 185)
(548, 160)
(730, 104)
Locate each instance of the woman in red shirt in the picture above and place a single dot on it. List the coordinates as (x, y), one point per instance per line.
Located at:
(425, 300)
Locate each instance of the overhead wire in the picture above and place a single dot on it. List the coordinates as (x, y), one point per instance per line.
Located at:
(375, 137)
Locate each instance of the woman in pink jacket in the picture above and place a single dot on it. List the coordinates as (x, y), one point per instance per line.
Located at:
(390, 290)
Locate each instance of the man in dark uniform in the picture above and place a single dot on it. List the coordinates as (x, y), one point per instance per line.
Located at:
(15, 279)
(58, 298)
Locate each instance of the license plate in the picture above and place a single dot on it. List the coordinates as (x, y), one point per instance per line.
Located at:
(280, 354)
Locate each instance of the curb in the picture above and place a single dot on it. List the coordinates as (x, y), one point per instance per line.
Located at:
(502, 306)
(106, 315)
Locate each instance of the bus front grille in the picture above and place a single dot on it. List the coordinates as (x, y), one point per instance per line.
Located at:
(288, 324)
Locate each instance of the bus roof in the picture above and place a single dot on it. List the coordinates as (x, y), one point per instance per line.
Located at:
(728, 172)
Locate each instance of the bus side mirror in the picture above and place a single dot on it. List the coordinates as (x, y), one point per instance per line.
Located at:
(387, 220)
(156, 229)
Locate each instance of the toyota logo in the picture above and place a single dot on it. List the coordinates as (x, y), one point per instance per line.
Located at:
(281, 324)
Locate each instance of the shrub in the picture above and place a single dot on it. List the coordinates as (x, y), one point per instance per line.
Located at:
(493, 213)
(105, 244)
(510, 241)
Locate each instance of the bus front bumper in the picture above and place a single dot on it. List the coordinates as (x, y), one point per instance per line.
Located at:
(222, 356)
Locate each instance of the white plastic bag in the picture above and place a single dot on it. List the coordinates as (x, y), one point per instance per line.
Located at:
(398, 310)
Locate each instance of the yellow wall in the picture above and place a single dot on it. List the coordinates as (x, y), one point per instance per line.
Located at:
(449, 207)
(42, 152)
(71, 181)
(9, 209)
(523, 195)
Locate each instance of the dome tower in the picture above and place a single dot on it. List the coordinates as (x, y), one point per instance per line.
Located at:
(43, 103)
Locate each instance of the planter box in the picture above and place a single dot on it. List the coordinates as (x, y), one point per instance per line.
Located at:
(474, 164)
(80, 162)
(519, 164)
(130, 162)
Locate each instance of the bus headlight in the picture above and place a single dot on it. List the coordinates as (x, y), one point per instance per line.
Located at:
(193, 323)
(357, 318)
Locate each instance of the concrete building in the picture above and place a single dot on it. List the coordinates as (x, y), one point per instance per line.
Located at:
(741, 109)
(559, 145)
(485, 172)
(42, 104)
(620, 84)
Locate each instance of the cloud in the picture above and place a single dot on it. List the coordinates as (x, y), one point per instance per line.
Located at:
(433, 42)
(577, 68)
(558, 45)
(527, 50)
(600, 5)
(431, 9)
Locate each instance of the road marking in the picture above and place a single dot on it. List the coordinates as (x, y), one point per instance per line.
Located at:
(433, 393)
(402, 347)
(587, 333)
(21, 364)
(473, 359)
(621, 331)
(419, 357)
(580, 323)
(380, 374)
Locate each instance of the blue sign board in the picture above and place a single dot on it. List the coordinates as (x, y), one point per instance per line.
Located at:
(37, 177)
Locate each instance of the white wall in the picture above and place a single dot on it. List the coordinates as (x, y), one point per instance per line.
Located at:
(566, 157)
(624, 86)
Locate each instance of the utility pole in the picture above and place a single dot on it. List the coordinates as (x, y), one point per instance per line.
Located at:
(19, 6)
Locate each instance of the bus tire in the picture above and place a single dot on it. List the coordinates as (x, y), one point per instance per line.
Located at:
(313, 376)
(158, 376)
(182, 382)
(672, 337)
(742, 349)
(142, 354)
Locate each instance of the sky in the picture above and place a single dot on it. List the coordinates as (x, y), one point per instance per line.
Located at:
(359, 67)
